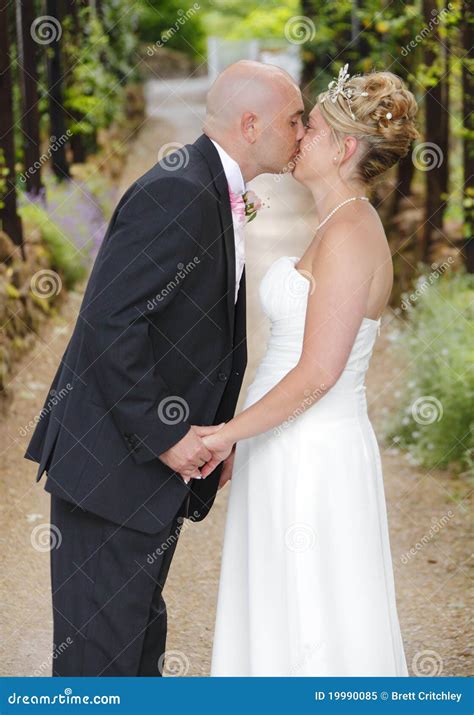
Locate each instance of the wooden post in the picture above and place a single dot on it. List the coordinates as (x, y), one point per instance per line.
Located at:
(9, 219)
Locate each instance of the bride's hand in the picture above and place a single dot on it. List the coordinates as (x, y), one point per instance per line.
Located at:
(220, 446)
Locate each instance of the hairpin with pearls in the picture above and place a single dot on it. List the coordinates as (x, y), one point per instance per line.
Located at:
(337, 87)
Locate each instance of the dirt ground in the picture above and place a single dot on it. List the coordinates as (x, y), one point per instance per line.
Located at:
(429, 508)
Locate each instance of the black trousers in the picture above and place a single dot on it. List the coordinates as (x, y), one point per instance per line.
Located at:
(107, 581)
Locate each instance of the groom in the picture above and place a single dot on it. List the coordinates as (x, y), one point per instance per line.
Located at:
(159, 348)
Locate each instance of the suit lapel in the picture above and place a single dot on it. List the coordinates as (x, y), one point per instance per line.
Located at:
(208, 150)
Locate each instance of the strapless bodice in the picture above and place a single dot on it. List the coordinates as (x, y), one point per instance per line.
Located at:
(284, 297)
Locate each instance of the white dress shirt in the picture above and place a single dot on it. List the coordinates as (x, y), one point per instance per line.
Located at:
(237, 185)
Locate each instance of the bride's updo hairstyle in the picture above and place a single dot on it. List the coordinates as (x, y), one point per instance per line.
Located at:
(380, 112)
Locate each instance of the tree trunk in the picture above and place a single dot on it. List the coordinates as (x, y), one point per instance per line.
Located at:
(27, 52)
(468, 147)
(435, 132)
(10, 221)
(405, 171)
(59, 162)
(310, 61)
(445, 49)
(78, 147)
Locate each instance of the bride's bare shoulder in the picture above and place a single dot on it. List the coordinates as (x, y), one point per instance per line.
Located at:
(357, 241)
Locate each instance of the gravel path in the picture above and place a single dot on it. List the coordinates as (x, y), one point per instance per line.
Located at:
(425, 508)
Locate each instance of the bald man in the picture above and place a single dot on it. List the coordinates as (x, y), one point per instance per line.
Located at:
(155, 362)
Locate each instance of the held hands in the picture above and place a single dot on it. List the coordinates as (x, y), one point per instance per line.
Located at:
(190, 453)
(221, 447)
(193, 452)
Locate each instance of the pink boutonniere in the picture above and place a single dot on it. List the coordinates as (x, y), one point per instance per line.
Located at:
(252, 204)
(245, 206)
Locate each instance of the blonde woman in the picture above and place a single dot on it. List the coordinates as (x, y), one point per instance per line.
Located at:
(307, 584)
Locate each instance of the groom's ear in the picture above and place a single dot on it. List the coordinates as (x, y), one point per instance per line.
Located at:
(248, 126)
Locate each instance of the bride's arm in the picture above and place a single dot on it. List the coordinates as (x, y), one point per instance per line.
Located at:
(342, 274)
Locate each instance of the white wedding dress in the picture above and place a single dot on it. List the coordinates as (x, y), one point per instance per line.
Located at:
(306, 585)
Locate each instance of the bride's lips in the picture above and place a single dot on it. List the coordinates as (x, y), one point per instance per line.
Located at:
(295, 159)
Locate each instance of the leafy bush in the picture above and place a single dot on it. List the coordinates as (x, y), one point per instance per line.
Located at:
(436, 422)
(246, 19)
(94, 86)
(68, 261)
(174, 24)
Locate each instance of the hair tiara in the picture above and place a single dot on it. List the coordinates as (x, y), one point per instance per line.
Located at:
(337, 87)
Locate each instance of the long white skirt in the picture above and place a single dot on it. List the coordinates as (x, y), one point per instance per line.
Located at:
(306, 585)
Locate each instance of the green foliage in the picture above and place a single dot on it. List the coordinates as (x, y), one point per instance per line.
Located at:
(436, 422)
(3, 180)
(235, 20)
(177, 25)
(369, 37)
(65, 258)
(94, 88)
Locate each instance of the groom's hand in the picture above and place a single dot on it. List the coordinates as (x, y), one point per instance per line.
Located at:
(190, 453)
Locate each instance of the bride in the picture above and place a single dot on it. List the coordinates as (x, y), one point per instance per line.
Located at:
(306, 584)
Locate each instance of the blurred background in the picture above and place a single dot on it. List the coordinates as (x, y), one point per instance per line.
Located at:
(93, 93)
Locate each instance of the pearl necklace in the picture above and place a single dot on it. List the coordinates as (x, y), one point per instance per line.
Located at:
(331, 214)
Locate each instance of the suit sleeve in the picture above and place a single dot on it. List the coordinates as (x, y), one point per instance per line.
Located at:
(155, 229)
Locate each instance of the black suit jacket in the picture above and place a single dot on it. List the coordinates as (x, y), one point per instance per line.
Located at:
(158, 345)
